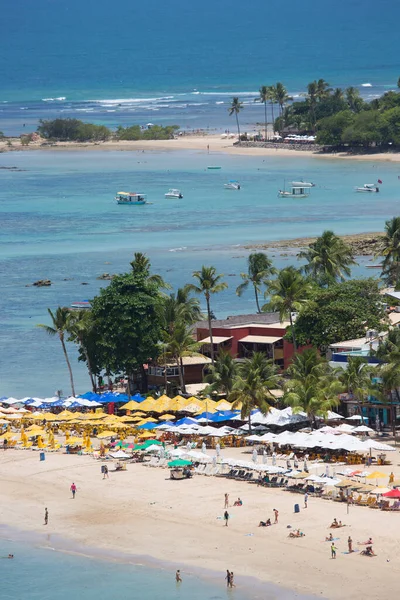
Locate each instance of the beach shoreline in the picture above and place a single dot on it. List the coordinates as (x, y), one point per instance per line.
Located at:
(141, 512)
(211, 144)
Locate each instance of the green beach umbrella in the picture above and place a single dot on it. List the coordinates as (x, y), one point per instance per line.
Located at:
(179, 463)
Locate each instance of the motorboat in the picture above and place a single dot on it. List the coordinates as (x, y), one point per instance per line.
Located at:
(296, 191)
(368, 187)
(81, 305)
(232, 185)
(304, 184)
(130, 198)
(211, 168)
(173, 193)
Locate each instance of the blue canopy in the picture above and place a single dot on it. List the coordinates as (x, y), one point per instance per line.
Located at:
(148, 426)
(137, 398)
(90, 396)
(187, 421)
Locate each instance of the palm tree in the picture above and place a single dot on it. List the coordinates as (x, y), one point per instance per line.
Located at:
(389, 376)
(281, 96)
(80, 327)
(288, 293)
(272, 100)
(60, 322)
(252, 387)
(338, 94)
(234, 109)
(312, 98)
(181, 307)
(356, 379)
(141, 266)
(221, 375)
(313, 387)
(209, 282)
(328, 259)
(323, 89)
(390, 250)
(264, 97)
(259, 269)
(178, 344)
(353, 99)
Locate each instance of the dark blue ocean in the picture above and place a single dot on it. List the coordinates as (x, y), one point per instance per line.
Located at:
(180, 61)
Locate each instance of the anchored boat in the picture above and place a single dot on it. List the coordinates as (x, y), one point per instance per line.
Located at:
(130, 198)
(296, 191)
(173, 193)
(368, 187)
(232, 185)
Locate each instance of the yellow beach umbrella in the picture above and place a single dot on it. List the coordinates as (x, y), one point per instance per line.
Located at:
(75, 441)
(224, 405)
(145, 434)
(8, 435)
(106, 434)
(148, 420)
(131, 405)
(377, 475)
(149, 404)
(167, 417)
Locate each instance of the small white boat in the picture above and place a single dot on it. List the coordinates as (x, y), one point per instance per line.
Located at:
(130, 198)
(304, 184)
(172, 193)
(232, 185)
(368, 187)
(295, 192)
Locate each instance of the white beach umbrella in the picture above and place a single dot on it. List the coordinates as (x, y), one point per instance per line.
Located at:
(363, 429)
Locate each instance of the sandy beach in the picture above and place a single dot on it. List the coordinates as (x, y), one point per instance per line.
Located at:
(141, 512)
(212, 144)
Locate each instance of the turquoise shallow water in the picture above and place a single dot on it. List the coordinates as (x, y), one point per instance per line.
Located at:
(38, 571)
(59, 221)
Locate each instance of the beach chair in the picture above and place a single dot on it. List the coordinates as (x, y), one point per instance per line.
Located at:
(395, 506)
(373, 503)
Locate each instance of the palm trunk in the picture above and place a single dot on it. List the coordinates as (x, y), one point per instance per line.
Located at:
(179, 365)
(273, 117)
(257, 302)
(71, 377)
(293, 333)
(210, 329)
(92, 379)
(265, 119)
(250, 422)
(182, 376)
(237, 123)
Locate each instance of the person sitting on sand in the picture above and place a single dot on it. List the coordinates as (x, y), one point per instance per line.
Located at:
(266, 523)
(296, 534)
(334, 523)
(368, 551)
(329, 538)
(368, 543)
(238, 502)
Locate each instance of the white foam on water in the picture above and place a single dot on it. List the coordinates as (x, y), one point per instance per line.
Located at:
(366, 85)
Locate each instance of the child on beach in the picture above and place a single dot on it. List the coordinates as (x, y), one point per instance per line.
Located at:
(333, 550)
(226, 518)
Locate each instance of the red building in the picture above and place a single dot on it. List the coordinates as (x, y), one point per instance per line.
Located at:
(241, 335)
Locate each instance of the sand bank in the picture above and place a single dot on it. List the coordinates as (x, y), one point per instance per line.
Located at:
(142, 512)
(211, 144)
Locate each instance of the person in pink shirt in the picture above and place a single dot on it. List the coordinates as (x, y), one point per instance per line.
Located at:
(73, 490)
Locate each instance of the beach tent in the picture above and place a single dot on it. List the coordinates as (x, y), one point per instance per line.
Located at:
(392, 494)
(179, 462)
(120, 454)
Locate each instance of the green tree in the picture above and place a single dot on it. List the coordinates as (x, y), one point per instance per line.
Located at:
(312, 97)
(288, 293)
(272, 100)
(312, 387)
(141, 266)
(281, 96)
(389, 384)
(221, 375)
(259, 269)
(264, 97)
(252, 387)
(181, 307)
(390, 250)
(80, 329)
(234, 109)
(179, 344)
(208, 282)
(328, 259)
(356, 380)
(129, 314)
(59, 327)
(330, 129)
(343, 311)
(364, 130)
(353, 99)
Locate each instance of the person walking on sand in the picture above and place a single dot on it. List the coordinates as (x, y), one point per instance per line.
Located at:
(276, 513)
(391, 478)
(46, 516)
(105, 472)
(305, 500)
(226, 504)
(73, 490)
(350, 544)
(226, 518)
(333, 550)
(178, 577)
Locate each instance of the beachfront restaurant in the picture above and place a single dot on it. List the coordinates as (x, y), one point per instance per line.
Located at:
(193, 371)
(242, 335)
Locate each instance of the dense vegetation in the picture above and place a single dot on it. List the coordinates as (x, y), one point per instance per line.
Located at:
(135, 321)
(74, 130)
(337, 117)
